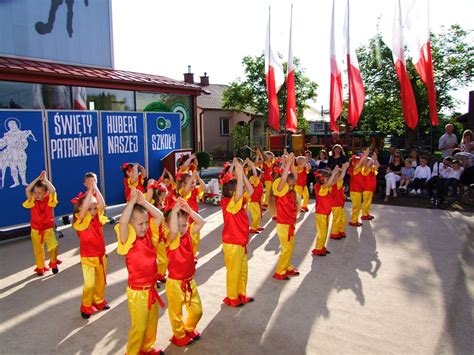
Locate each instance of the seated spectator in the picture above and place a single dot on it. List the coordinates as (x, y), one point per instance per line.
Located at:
(467, 143)
(453, 179)
(413, 155)
(393, 175)
(387, 159)
(322, 161)
(407, 174)
(333, 140)
(337, 158)
(422, 174)
(438, 173)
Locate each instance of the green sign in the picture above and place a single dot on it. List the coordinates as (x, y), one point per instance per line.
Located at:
(183, 111)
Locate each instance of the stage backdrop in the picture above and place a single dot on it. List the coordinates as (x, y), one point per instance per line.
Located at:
(22, 158)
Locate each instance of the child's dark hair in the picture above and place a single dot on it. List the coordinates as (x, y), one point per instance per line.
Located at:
(259, 173)
(41, 185)
(182, 159)
(181, 214)
(228, 188)
(138, 208)
(182, 180)
(156, 196)
(125, 168)
(424, 157)
(320, 175)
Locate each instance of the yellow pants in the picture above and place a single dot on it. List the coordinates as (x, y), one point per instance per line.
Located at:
(268, 188)
(162, 259)
(256, 214)
(38, 247)
(366, 202)
(176, 300)
(236, 263)
(143, 322)
(93, 271)
(195, 238)
(339, 221)
(286, 249)
(303, 193)
(322, 224)
(356, 198)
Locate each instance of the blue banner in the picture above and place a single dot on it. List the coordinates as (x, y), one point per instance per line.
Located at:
(22, 158)
(122, 142)
(164, 136)
(73, 141)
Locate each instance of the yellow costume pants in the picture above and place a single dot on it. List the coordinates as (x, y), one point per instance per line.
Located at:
(322, 224)
(236, 263)
(303, 193)
(286, 249)
(143, 322)
(162, 258)
(256, 214)
(356, 198)
(268, 188)
(38, 246)
(195, 238)
(177, 298)
(93, 270)
(339, 221)
(366, 202)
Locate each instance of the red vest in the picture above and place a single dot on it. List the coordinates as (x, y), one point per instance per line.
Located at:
(338, 197)
(286, 208)
(267, 171)
(181, 264)
(92, 239)
(141, 262)
(236, 226)
(302, 177)
(257, 192)
(42, 215)
(356, 181)
(139, 186)
(370, 181)
(323, 203)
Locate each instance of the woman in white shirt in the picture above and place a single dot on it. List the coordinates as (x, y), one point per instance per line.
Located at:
(467, 145)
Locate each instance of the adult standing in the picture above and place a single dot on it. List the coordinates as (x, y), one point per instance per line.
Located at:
(447, 141)
(310, 178)
(335, 139)
(337, 157)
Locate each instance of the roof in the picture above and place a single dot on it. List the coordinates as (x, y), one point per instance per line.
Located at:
(212, 98)
(16, 69)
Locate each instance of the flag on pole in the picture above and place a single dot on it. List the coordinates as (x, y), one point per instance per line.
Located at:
(418, 35)
(356, 86)
(393, 38)
(335, 96)
(79, 95)
(291, 117)
(274, 78)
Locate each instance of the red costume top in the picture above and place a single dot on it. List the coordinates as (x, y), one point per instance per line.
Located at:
(181, 257)
(370, 178)
(128, 186)
(323, 199)
(267, 171)
(302, 175)
(42, 211)
(285, 203)
(91, 237)
(337, 194)
(236, 221)
(257, 189)
(192, 197)
(357, 179)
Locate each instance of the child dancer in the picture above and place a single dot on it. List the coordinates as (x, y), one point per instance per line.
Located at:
(369, 171)
(324, 181)
(356, 187)
(302, 169)
(269, 159)
(137, 242)
(255, 204)
(283, 198)
(187, 163)
(235, 234)
(181, 288)
(41, 198)
(338, 230)
(88, 220)
(134, 176)
(167, 179)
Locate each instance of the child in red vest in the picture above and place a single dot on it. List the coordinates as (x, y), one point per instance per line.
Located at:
(323, 185)
(181, 288)
(187, 164)
(137, 241)
(41, 198)
(255, 204)
(235, 234)
(87, 221)
(338, 230)
(168, 180)
(134, 176)
(302, 169)
(369, 171)
(269, 159)
(283, 198)
(356, 187)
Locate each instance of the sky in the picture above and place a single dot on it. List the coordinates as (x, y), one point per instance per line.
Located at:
(164, 37)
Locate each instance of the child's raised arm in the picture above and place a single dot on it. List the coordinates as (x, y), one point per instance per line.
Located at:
(155, 212)
(332, 179)
(199, 180)
(149, 189)
(284, 175)
(142, 171)
(134, 176)
(345, 166)
(32, 184)
(126, 215)
(239, 190)
(252, 166)
(100, 199)
(188, 161)
(173, 223)
(87, 202)
(198, 220)
(170, 176)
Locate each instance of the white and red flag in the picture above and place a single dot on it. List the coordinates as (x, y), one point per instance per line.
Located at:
(335, 96)
(356, 86)
(274, 78)
(393, 38)
(291, 117)
(418, 38)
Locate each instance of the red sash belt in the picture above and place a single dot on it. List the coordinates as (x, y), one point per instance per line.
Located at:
(153, 295)
(186, 287)
(41, 233)
(291, 231)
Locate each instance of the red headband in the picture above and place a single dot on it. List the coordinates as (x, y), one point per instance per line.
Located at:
(157, 185)
(127, 166)
(318, 175)
(78, 198)
(226, 178)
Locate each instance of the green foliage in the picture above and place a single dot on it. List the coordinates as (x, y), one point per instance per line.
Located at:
(157, 107)
(240, 138)
(453, 60)
(250, 94)
(204, 160)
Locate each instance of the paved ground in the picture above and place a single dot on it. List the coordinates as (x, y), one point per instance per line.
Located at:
(403, 283)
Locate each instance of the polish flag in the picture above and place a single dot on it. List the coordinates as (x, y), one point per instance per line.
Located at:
(335, 96)
(80, 97)
(393, 38)
(291, 117)
(356, 86)
(418, 31)
(274, 78)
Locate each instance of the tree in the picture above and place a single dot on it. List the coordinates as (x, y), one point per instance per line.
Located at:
(250, 94)
(240, 138)
(453, 61)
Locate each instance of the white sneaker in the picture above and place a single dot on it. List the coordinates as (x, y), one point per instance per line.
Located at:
(418, 192)
(403, 187)
(412, 192)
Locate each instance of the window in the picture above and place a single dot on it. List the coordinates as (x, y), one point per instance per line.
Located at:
(15, 95)
(104, 99)
(225, 126)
